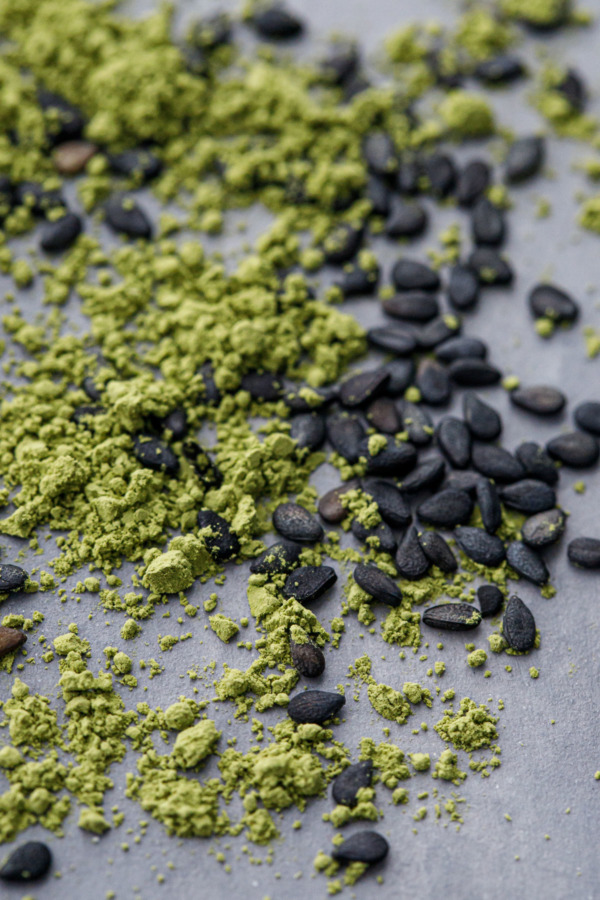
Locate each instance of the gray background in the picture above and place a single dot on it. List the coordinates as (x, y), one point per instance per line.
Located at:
(545, 768)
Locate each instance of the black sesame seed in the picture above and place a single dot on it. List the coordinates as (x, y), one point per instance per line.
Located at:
(447, 509)
(490, 599)
(575, 449)
(296, 523)
(463, 287)
(307, 583)
(377, 584)
(526, 562)
(411, 275)
(222, 543)
(525, 159)
(584, 552)
(473, 181)
(454, 439)
(518, 625)
(529, 496)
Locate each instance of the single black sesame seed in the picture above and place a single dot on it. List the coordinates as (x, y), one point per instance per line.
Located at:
(525, 159)
(576, 449)
(490, 599)
(296, 523)
(222, 543)
(496, 462)
(489, 505)
(529, 496)
(518, 625)
(276, 23)
(544, 528)
(474, 373)
(65, 123)
(461, 348)
(551, 302)
(281, 557)
(308, 583)
(454, 439)
(155, 454)
(437, 551)
(584, 552)
(59, 234)
(411, 561)
(349, 782)
(541, 400)
(413, 307)
(398, 339)
(377, 584)
(452, 617)
(483, 548)
(473, 181)
(463, 287)
(411, 275)
(27, 863)
(433, 383)
(307, 659)
(141, 163)
(587, 416)
(487, 223)
(211, 394)
(447, 509)
(363, 846)
(345, 433)
(526, 562)
(12, 578)
(315, 707)
(125, 217)
(406, 220)
(308, 430)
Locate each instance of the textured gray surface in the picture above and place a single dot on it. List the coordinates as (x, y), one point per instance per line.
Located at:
(546, 768)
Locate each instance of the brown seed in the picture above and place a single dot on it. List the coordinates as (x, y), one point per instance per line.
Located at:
(72, 157)
(330, 505)
(308, 659)
(10, 639)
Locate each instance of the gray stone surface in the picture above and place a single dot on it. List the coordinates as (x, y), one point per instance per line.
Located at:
(548, 728)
